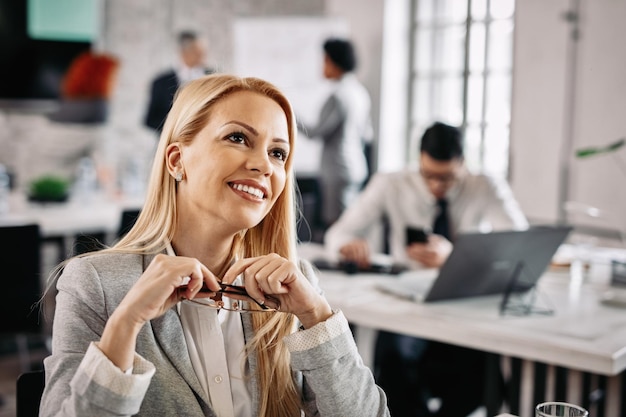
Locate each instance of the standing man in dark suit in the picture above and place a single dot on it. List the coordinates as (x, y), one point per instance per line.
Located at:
(191, 65)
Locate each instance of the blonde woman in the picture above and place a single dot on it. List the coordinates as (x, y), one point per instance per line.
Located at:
(203, 308)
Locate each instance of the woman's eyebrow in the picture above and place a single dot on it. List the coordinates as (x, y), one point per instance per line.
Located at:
(253, 130)
(244, 125)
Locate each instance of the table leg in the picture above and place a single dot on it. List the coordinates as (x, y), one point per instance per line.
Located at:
(494, 392)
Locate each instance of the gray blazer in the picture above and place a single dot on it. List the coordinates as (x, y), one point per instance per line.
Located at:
(333, 378)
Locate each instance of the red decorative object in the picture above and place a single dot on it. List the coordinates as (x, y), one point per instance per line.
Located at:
(90, 76)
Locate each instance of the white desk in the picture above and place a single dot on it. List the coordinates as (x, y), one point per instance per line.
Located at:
(61, 223)
(583, 335)
(98, 214)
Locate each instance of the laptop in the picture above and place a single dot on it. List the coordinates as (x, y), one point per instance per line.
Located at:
(484, 264)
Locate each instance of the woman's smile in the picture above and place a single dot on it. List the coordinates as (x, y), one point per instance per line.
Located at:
(248, 190)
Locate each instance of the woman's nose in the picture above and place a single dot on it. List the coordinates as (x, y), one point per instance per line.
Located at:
(260, 161)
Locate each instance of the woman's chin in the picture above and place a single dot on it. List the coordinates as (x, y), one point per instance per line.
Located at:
(247, 222)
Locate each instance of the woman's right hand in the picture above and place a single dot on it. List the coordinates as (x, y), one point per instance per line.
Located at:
(166, 281)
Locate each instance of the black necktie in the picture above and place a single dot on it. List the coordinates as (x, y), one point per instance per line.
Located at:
(441, 225)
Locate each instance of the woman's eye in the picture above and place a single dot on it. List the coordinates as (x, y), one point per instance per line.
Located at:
(236, 137)
(279, 154)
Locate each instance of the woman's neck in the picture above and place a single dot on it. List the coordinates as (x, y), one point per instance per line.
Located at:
(214, 254)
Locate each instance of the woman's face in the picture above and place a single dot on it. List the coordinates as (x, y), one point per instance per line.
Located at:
(234, 170)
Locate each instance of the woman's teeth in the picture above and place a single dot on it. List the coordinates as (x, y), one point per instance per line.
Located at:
(247, 189)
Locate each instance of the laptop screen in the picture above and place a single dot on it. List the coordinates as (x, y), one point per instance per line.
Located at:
(494, 263)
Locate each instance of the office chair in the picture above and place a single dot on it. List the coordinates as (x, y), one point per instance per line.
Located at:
(20, 258)
(310, 228)
(84, 243)
(129, 217)
(30, 386)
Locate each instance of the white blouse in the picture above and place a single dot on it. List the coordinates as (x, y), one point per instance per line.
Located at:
(216, 347)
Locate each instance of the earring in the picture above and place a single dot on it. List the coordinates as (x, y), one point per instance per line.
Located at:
(179, 176)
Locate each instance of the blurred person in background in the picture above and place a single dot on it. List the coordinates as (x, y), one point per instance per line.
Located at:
(442, 199)
(344, 126)
(191, 65)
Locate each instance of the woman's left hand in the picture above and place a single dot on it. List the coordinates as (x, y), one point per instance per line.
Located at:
(275, 276)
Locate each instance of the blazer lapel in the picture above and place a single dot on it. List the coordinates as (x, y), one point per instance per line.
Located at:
(248, 334)
(168, 332)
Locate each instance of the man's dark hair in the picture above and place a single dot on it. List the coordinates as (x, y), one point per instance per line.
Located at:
(442, 142)
(341, 52)
(186, 36)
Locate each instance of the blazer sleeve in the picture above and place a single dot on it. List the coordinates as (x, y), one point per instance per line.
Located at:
(335, 380)
(80, 380)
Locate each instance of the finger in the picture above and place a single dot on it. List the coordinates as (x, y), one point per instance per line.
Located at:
(362, 253)
(201, 280)
(350, 252)
(236, 269)
(281, 277)
(264, 271)
(248, 267)
(209, 280)
(256, 276)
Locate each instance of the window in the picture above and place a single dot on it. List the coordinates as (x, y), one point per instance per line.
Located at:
(461, 66)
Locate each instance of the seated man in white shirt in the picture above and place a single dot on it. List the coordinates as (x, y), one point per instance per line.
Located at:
(444, 199)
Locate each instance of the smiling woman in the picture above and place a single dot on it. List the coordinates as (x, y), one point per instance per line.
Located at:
(235, 169)
(218, 229)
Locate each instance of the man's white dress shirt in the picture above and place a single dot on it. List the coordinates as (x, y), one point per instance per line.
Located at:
(476, 203)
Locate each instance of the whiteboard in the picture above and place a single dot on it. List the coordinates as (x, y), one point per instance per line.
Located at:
(288, 52)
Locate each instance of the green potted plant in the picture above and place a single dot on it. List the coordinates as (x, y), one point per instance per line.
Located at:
(600, 150)
(49, 188)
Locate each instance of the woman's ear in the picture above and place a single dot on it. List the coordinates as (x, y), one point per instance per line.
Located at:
(173, 157)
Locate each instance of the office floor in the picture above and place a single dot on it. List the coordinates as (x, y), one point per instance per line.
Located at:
(10, 369)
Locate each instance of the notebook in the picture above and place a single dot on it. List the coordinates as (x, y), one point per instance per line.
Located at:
(483, 264)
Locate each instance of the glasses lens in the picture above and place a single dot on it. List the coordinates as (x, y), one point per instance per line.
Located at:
(441, 178)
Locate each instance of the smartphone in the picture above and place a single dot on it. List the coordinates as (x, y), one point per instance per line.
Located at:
(416, 235)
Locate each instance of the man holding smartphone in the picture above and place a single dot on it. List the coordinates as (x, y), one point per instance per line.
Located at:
(424, 210)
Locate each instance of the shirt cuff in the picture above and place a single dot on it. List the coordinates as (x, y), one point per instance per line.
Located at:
(102, 371)
(321, 333)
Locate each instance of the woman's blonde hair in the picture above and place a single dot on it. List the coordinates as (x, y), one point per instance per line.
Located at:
(274, 234)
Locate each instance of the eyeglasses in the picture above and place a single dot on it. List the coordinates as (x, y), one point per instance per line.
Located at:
(444, 179)
(236, 305)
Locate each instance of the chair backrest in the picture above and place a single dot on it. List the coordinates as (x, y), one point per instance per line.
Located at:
(20, 258)
(129, 217)
(29, 389)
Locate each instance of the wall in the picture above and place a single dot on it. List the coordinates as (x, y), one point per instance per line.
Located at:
(141, 34)
(543, 141)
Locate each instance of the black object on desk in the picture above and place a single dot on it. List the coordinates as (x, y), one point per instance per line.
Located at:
(352, 267)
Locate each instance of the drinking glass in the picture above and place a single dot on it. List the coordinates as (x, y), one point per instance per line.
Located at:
(559, 409)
